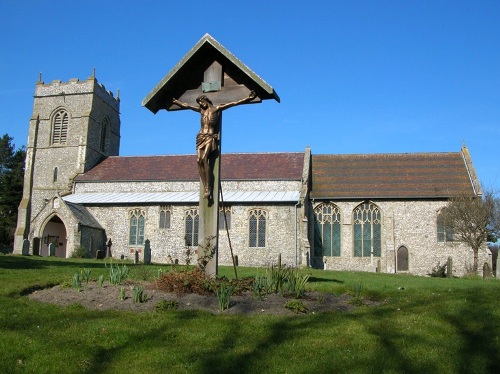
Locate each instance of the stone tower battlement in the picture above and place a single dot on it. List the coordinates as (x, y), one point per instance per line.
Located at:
(76, 87)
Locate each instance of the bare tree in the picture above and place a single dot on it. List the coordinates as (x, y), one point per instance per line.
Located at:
(470, 219)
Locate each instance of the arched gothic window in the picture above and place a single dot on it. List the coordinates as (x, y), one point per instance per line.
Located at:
(60, 127)
(165, 212)
(137, 218)
(444, 232)
(257, 222)
(225, 216)
(367, 230)
(326, 230)
(192, 222)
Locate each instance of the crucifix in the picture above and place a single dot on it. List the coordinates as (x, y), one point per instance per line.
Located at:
(208, 80)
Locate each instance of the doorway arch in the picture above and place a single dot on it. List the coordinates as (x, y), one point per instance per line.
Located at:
(402, 259)
(54, 232)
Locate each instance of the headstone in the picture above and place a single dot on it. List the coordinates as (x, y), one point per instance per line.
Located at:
(100, 254)
(26, 247)
(36, 246)
(486, 271)
(136, 257)
(108, 248)
(449, 268)
(147, 252)
(52, 249)
(379, 266)
(496, 268)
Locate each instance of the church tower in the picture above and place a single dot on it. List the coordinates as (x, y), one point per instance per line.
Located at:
(74, 126)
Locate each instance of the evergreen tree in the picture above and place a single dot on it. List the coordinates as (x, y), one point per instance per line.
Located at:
(11, 188)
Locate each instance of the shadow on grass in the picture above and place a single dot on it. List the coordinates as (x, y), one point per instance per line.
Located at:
(326, 280)
(39, 262)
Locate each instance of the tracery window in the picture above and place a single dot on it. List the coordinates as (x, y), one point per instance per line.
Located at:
(192, 222)
(137, 218)
(104, 132)
(326, 230)
(257, 222)
(444, 232)
(60, 127)
(222, 220)
(165, 213)
(367, 230)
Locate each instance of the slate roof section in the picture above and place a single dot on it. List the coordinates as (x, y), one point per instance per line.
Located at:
(83, 215)
(413, 175)
(181, 197)
(234, 166)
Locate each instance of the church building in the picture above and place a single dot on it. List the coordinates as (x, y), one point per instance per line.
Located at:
(363, 212)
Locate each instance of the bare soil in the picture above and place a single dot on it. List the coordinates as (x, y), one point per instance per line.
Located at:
(108, 297)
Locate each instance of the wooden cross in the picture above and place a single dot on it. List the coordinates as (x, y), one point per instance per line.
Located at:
(211, 70)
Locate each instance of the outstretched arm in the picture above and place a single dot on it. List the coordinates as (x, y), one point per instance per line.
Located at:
(185, 105)
(251, 96)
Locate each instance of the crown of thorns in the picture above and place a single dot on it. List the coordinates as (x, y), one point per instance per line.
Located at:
(204, 98)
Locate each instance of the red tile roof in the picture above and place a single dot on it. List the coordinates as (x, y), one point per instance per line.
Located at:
(417, 175)
(237, 166)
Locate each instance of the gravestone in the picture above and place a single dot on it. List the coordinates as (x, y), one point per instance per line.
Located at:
(208, 80)
(52, 249)
(36, 246)
(26, 247)
(147, 252)
(486, 271)
(449, 268)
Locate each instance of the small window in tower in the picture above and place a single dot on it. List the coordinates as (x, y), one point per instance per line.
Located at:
(104, 132)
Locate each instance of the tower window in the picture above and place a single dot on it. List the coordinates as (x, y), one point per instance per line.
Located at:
(60, 127)
(104, 133)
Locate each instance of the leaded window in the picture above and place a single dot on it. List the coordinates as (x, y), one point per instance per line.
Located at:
(367, 230)
(257, 222)
(326, 230)
(444, 232)
(192, 222)
(165, 213)
(225, 217)
(60, 127)
(137, 218)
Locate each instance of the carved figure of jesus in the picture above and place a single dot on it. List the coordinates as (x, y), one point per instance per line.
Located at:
(206, 139)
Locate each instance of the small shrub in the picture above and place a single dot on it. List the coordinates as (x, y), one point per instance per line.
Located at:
(138, 295)
(85, 274)
(296, 306)
(76, 283)
(122, 293)
(80, 252)
(438, 271)
(100, 280)
(187, 281)
(224, 296)
(166, 305)
(117, 274)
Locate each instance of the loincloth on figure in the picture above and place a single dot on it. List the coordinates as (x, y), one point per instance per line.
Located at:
(204, 140)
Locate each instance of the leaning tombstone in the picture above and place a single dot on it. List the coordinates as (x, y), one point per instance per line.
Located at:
(147, 252)
(52, 249)
(449, 268)
(26, 247)
(486, 271)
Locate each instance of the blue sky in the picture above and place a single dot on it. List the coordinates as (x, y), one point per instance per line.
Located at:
(353, 76)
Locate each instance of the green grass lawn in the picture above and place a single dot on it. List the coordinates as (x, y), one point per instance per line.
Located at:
(428, 325)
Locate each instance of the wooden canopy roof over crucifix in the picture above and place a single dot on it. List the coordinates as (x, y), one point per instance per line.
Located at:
(192, 77)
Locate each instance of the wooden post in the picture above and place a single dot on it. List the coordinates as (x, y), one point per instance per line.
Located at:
(208, 240)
